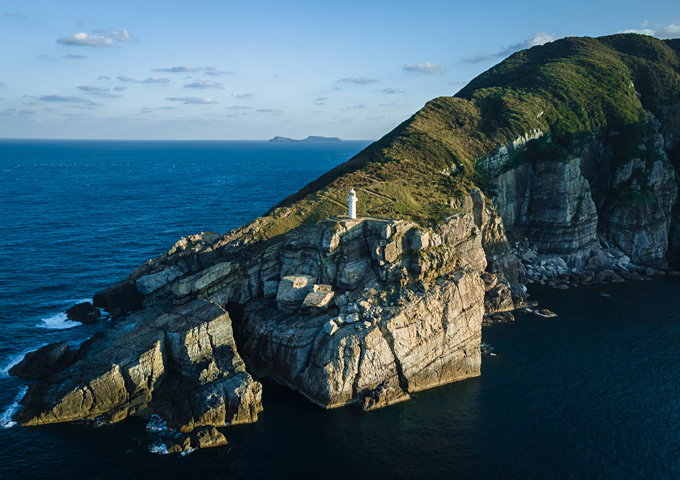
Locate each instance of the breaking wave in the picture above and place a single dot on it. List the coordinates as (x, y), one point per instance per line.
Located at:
(158, 448)
(14, 359)
(58, 322)
(6, 416)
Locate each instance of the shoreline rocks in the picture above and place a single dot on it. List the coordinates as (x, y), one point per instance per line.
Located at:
(83, 312)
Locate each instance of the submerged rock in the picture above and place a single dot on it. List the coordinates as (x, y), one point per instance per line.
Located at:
(83, 312)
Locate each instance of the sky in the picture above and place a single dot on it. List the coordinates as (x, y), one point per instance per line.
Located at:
(237, 70)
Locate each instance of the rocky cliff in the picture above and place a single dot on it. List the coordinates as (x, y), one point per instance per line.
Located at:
(574, 145)
(361, 312)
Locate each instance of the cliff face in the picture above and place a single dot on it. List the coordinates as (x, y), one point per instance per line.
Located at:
(576, 145)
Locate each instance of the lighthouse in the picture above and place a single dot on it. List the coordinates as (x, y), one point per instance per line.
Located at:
(352, 199)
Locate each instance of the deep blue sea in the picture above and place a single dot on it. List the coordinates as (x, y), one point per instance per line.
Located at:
(593, 393)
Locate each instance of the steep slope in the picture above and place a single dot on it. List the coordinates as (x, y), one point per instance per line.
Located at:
(619, 92)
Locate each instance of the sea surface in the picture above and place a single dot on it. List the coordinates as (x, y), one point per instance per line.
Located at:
(593, 393)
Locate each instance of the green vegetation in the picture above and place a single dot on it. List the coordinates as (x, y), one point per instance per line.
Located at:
(570, 89)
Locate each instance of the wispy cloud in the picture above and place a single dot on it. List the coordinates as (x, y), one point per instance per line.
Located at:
(392, 90)
(453, 83)
(98, 91)
(103, 77)
(661, 31)
(86, 39)
(13, 112)
(203, 84)
(66, 99)
(92, 88)
(269, 110)
(155, 109)
(192, 100)
(153, 79)
(244, 96)
(539, 38)
(178, 69)
(427, 68)
(70, 56)
(360, 106)
(189, 69)
(121, 35)
(321, 101)
(215, 71)
(358, 80)
(119, 89)
(239, 107)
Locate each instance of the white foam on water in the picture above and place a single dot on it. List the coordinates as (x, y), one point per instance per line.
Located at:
(58, 322)
(157, 425)
(99, 422)
(6, 416)
(159, 448)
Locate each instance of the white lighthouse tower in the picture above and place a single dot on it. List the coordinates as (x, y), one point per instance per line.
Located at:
(352, 199)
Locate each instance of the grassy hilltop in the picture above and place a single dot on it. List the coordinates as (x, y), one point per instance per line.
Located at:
(569, 89)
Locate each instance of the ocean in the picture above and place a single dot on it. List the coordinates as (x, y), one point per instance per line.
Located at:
(592, 393)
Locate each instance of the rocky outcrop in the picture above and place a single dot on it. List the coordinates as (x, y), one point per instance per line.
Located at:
(45, 361)
(83, 312)
(366, 311)
(182, 365)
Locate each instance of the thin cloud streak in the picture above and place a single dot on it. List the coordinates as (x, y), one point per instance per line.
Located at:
(153, 79)
(85, 39)
(192, 100)
(198, 84)
(427, 68)
(662, 31)
(358, 80)
(540, 38)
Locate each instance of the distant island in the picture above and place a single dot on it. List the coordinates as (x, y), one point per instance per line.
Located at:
(310, 139)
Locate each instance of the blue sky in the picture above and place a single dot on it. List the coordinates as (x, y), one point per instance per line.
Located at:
(252, 70)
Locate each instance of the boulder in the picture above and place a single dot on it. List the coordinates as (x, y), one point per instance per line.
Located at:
(330, 327)
(318, 300)
(207, 437)
(44, 361)
(119, 299)
(292, 291)
(83, 312)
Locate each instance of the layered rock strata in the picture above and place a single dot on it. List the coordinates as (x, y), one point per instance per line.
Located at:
(182, 365)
